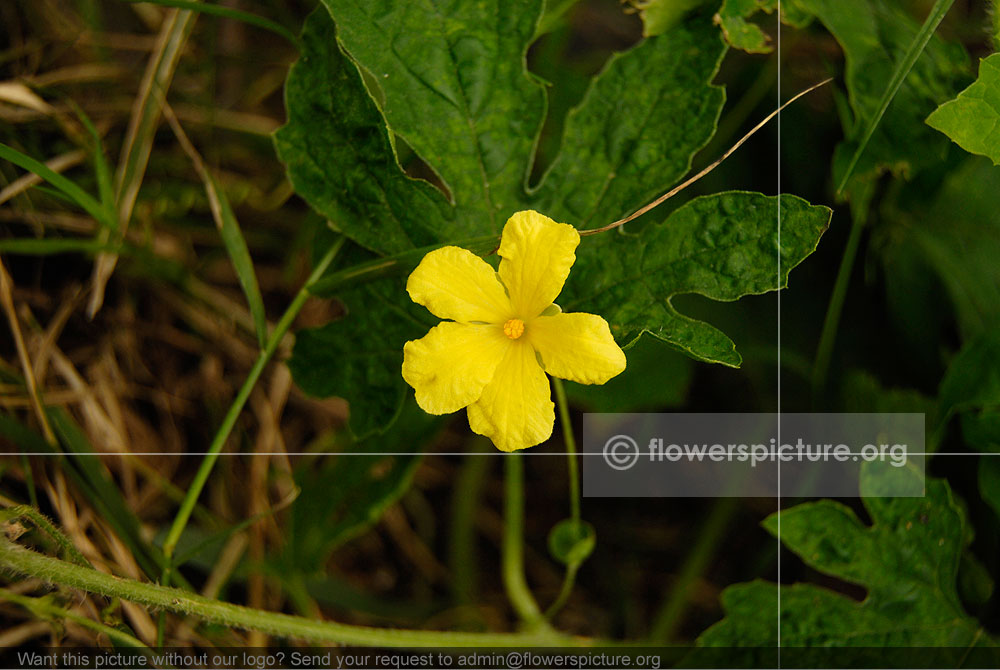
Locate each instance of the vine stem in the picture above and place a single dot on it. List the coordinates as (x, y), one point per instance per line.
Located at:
(574, 477)
(513, 548)
(229, 422)
(831, 322)
(29, 563)
(569, 577)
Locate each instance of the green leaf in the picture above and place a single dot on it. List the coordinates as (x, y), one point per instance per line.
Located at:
(659, 16)
(876, 36)
(971, 388)
(360, 356)
(954, 239)
(344, 495)
(903, 66)
(657, 377)
(738, 31)
(456, 90)
(340, 157)
(636, 129)
(907, 561)
(972, 120)
(722, 246)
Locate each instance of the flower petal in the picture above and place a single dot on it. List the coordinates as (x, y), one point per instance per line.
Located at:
(515, 409)
(536, 254)
(451, 365)
(454, 283)
(576, 346)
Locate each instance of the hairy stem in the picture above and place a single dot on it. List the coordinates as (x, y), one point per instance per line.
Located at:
(25, 562)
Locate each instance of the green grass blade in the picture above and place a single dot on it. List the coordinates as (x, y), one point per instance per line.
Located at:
(53, 246)
(102, 169)
(229, 230)
(229, 13)
(903, 68)
(70, 189)
(239, 254)
(138, 144)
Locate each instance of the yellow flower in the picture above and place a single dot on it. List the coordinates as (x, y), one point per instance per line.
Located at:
(505, 333)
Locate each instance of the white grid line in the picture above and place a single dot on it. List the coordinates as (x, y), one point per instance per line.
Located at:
(778, 538)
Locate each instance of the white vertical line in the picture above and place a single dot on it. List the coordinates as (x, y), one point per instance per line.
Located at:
(778, 50)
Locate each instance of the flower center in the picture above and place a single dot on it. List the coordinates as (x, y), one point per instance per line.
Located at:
(513, 328)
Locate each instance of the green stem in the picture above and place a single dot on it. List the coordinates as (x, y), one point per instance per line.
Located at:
(569, 581)
(569, 577)
(574, 478)
(465, 500)
(831, 322)
(513, 547)
(194, 490)
(25, 562)
(49, 528)
(44, 609)
(713, 531)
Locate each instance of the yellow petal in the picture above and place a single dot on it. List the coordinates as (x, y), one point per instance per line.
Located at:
(536, 254)
(450, 365)
(515, 409)
(576, 346)
(454, 283)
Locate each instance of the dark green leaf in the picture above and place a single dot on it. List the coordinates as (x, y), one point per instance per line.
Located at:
(637, 128)
(971, 388)
(907, 560)
(344, 495)
(972, 120)
(955, 239)
(339, 154)
(360, 356)
(722, 246)
(456, 89)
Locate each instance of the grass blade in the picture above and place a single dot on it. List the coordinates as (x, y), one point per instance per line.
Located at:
(229, 13)
(24, 182)
(903, 68)
(139, 138)
(53, 246)
(86, 201)
(229, 229)
(102, 169)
